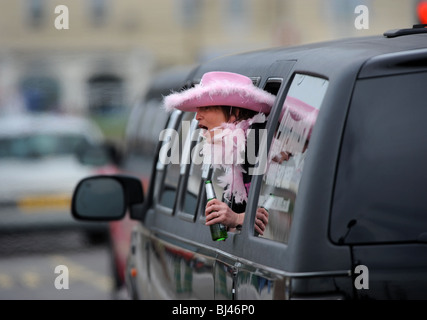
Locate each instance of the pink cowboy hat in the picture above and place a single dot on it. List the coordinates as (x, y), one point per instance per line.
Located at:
(300, 111)
(221, 89)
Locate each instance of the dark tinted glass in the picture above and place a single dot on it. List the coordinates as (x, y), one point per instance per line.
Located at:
(381, 189)
(288, 151)
(170, 158)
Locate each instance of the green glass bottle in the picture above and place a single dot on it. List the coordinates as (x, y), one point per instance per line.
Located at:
(268, 202)
(218, 230)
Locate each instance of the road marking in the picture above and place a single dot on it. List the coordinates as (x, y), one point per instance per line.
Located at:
(79, 272)
(33, 278)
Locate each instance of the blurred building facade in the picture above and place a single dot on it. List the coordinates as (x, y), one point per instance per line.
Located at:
(101, 58)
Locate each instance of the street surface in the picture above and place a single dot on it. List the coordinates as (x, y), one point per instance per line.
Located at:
(29, 268)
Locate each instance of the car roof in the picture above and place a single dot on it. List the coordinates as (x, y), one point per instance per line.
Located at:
(170, 79)
(30, 123)
(323, 58)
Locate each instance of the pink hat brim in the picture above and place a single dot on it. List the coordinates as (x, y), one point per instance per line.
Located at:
(300, 111)
(221, 90)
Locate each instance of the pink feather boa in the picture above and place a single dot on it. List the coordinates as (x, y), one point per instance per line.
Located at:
(226, 150)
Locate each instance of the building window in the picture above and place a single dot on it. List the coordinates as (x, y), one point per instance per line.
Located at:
(40, 93)
(188, 12)
(36, 13)
(98, 12)
(105, 94)
(236, 15)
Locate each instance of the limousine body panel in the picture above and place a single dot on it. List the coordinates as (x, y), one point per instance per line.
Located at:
(325, 242)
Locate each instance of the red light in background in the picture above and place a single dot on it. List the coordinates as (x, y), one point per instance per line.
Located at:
(422, 12)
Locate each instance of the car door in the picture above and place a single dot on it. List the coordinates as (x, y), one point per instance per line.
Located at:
(170, 261)
(380, 188)
(260, 272)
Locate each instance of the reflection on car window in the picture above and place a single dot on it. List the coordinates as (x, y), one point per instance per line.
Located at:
(193, 159)
(380, 189)
(169, 159)
(288, 151)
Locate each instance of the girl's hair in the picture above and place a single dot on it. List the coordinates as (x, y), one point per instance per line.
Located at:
(239, 113)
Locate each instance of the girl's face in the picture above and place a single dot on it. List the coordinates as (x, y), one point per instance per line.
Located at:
(210, 117)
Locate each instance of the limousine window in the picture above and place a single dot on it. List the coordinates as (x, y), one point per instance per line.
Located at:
(199, 173)
(191, 170)
(206, 172)
(168, 165)
(380, 193)
(273, 85)
(288, 151)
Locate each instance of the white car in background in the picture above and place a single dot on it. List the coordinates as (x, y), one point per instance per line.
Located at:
(42, 157)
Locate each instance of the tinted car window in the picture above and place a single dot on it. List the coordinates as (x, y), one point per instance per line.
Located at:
(192, 169)
(168, 165)
(288, 151)
(380, 193)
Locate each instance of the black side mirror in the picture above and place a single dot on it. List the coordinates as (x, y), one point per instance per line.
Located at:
(105, 197)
